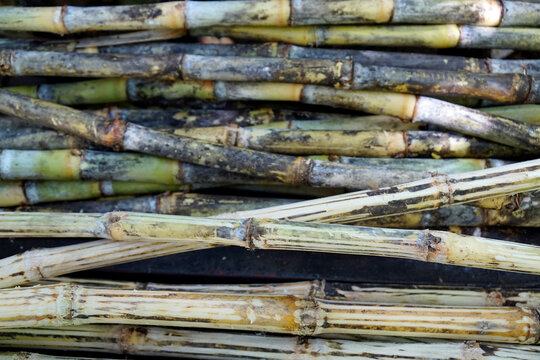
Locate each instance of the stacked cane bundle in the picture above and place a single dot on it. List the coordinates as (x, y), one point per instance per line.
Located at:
(179, 141)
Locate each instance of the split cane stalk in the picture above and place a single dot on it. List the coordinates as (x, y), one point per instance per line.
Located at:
(171, 342)
(436, 192)
(522, 212)
(387, 294)
(123, 135)
(342, 73)
(42, 263)
(404, 106)
(424, 245)
(509, 211)
(62, 304)
(364, 57)
(431, 36)
(194, 14)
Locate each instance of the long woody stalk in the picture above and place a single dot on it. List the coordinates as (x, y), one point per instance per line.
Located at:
(158, 341)
(99, 165)
(358, 143)
(35, 356)
(264, 117)
(364, 57)
(14, 193)
(123, 135)
(388, 294)
(403, 106)
(507, 211)
(274, 118)
(342, 73)
(381, 144)
(436, 192)
(431, 36)
(422, 195)
(61, 305)
(186, 204)
(430, 246)
(193, 14)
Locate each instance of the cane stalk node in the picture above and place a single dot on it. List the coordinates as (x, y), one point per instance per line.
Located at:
(114, 134)
(6, 63)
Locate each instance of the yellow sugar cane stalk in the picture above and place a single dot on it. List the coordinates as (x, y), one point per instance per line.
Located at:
(427, 194)
(193, 14)
(118, 135)
(341, 73)
(431, 36)
(64, 304)
(173, 342)
(404, 106)
(432, 193)
(389, 294)
(422, 245)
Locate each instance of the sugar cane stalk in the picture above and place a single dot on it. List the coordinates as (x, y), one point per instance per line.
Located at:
(99, 165)
(123, 135)
(431, 36)
(388, 294)
(187, 204)
(261, 117)
(356, 143)
(342, 73)
(430, 246)
(364, 57)
(193, 14)
(14, 193)
(404, 106)
(37, 264)
(439, 191)
(171, 342)
(380, 144)
(62, 304)
(23, 355)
